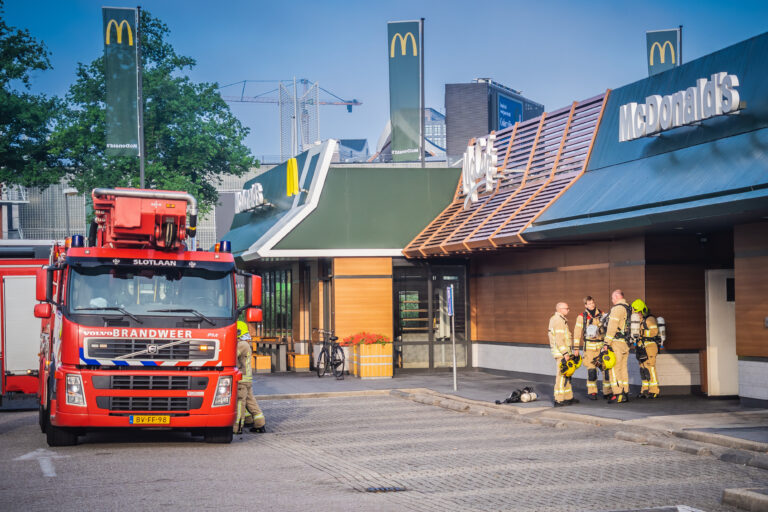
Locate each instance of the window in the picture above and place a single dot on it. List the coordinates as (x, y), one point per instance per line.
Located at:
(276, 303)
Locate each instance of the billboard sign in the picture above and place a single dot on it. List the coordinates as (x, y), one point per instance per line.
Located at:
(663, 50)
(121, 44)
(404, 51)
(510, 112)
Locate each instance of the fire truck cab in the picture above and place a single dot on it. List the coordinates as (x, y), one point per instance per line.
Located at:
(138, 331)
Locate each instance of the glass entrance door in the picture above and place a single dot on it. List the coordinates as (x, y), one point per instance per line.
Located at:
(442, 349)
(422, 324)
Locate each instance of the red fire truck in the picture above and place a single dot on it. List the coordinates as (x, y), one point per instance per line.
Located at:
(19, 332)
(137, 330)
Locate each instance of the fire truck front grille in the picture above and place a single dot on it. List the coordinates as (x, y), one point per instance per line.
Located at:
(149, 403)
(150, 382)
(148, 349)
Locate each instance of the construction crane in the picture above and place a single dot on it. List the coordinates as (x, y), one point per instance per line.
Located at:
(299, 115)
(264, 97)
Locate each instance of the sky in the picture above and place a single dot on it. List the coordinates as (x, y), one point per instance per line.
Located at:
(555, 52)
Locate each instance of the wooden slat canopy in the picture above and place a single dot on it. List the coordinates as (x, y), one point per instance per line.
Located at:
(539, 159)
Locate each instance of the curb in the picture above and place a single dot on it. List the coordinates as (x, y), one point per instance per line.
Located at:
(730, 442)
(746, 499)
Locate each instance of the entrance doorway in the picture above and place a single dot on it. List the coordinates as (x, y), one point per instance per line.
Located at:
(422, 326)
(722, 362)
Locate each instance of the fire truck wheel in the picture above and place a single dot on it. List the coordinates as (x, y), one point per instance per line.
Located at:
(58, 436)
(218, 435)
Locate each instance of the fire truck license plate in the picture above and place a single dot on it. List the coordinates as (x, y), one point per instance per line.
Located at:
(149, 420)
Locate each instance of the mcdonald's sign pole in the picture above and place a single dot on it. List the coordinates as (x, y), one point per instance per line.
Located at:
(140, 95)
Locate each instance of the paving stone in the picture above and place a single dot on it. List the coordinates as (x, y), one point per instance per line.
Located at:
(450, 460)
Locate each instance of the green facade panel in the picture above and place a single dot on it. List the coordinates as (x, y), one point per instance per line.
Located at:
(373, 208)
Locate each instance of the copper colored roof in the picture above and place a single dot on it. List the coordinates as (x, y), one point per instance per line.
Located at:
(538, 160)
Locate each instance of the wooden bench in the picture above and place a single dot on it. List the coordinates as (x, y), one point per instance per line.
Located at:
(275, 348)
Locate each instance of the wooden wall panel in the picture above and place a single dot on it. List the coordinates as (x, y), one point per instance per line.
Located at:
(751, 280)
(362, 266)
(628, 278)
(677, 293)
(514, 293)
(362, 303)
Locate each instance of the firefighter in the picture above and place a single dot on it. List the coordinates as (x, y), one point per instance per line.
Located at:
(248, 412)
(617, 336)
(649, 340)
(561, 346)
(588, 328)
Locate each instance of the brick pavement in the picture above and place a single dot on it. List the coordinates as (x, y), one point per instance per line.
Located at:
(455, 461)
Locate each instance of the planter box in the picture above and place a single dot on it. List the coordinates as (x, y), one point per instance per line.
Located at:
(298, 362)
(354, 356)
(373, 361)
(262, 364)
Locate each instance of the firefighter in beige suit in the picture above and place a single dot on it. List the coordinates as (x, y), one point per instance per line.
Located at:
(649, 338)
(617, 335)
(561, 345)
(588, 328)
(248, 412)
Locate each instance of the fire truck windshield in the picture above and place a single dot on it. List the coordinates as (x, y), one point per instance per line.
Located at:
(144, 291)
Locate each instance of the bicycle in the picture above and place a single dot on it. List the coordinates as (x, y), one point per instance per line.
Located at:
(331, 356)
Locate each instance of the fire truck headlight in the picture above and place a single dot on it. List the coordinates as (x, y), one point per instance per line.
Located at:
(223, 391)
(74, 390)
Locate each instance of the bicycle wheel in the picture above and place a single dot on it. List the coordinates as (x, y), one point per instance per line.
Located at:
(322, 362)
(337, 361)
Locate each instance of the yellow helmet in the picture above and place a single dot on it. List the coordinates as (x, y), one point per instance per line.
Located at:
(609, 359)
(639, 306)
(242, 328)
(568, 367)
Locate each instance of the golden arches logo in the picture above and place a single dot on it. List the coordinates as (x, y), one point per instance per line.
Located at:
(403, 44)
(663, 51)
(119, 31)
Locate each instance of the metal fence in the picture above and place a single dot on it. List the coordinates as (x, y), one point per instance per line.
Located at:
(44, 217)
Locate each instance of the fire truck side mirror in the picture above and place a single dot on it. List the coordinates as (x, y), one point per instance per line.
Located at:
(41, 284)
(254, 315)
(43, 310)
(49, 284)
(256, 291)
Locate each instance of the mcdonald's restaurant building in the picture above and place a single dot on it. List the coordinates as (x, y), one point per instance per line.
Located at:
(659, 188)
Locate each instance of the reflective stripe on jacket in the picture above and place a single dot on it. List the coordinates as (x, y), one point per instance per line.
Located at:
(244, 357)
(559, 335)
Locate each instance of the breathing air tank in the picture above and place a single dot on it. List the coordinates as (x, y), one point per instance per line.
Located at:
(634, 324)
(662, 324)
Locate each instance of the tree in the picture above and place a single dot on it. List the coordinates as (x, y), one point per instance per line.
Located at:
(25, 118)
(191, 136)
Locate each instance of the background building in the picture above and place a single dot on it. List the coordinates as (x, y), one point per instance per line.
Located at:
(434, 134)
(352, 151)
(477, 108)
